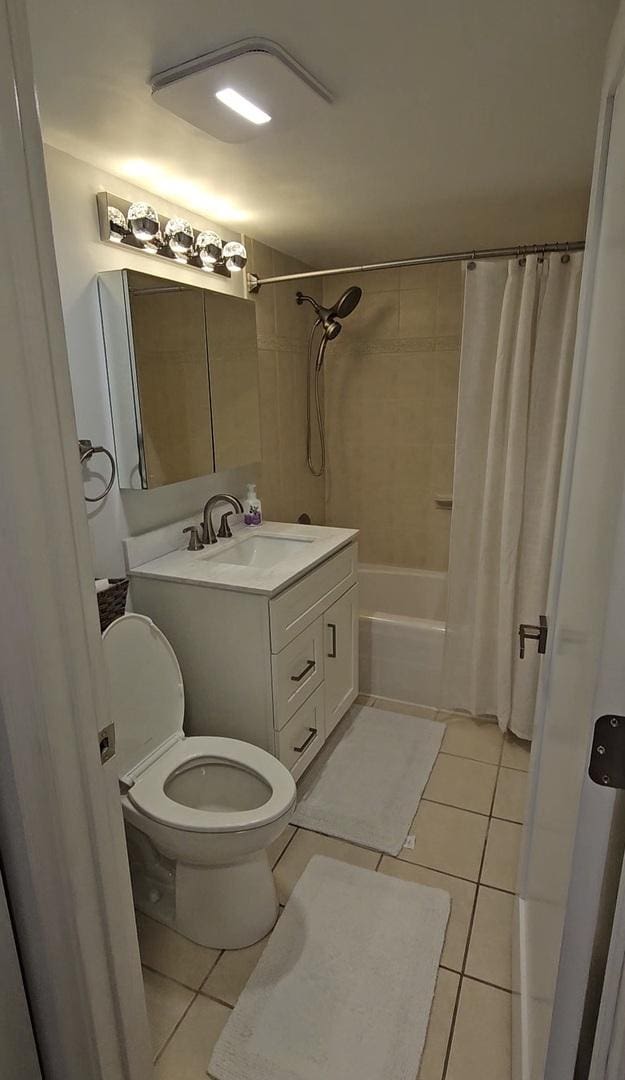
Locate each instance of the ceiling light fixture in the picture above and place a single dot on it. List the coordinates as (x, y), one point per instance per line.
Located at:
(242, 106)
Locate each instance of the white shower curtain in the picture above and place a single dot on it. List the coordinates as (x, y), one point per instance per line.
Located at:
(517, 349)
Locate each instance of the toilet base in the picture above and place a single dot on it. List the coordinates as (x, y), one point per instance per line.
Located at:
(226, 907)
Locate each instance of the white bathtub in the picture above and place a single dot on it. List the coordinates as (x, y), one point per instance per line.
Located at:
(402, 633)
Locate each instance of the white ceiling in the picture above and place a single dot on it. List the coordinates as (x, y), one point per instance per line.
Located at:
(456, 123)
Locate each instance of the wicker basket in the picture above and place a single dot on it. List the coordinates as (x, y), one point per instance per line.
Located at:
(112, 601)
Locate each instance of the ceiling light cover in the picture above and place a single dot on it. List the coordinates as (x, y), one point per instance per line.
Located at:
(243, 106)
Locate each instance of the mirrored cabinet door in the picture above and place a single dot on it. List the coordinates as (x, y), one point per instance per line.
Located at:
(182, 365)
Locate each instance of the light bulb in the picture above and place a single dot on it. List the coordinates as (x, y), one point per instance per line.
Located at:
(209, 247)
(179, 234)
(117, 225)
(235, 255)
(143, 221)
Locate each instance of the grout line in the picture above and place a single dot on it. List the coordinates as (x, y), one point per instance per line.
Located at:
(454, 806)
(218, 1000)
(175, 1028)
(484, 982)
(286, 847)
(179, 982)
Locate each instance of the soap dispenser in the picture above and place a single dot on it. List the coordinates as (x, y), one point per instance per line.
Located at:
(252, 510)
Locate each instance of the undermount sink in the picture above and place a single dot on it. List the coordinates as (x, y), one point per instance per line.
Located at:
(261, 551)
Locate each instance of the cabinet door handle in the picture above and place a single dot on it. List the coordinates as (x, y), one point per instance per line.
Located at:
(310, 664)
(332, 629)
(306, 742)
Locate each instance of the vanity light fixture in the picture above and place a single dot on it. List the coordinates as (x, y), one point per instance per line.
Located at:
(243, 106)
(141, 227)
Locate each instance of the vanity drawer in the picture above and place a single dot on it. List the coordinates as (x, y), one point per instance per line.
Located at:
(304, 735)
(296, 671)
(298, 606)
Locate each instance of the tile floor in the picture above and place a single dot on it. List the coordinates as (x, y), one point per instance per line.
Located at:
(467, 832)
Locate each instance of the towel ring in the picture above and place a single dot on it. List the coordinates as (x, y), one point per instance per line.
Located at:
(86, 450)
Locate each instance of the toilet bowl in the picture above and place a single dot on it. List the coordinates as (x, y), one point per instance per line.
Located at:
(200, 811)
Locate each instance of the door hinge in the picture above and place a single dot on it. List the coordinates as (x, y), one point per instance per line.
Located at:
(107, 743)
(607, 757)
(533, 633)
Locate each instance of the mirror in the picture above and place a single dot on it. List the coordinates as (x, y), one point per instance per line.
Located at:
(182, 366)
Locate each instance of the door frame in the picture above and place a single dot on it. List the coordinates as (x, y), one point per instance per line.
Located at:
(595, 814)
(61, 827)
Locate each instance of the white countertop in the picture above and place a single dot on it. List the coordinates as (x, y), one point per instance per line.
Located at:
(202, 567)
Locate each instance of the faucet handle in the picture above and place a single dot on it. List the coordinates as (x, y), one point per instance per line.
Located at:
(224, 530)
(195, 544)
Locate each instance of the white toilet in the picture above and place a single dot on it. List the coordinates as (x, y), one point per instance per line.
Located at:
(201, 811)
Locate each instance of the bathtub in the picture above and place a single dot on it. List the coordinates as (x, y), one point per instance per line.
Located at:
(402, 633)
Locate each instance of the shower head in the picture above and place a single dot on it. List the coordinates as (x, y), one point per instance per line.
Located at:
(328, 316)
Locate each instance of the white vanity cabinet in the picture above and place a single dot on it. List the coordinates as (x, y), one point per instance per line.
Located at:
(278, 671)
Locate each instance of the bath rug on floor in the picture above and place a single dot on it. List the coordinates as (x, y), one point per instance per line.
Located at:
(366, 784)
(344, 988)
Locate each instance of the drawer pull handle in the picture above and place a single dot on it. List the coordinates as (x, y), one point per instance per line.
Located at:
(332, 629)
(310, 665)
(306, 742)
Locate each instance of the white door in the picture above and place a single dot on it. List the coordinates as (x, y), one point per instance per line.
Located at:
(341, 658)
(564, 876)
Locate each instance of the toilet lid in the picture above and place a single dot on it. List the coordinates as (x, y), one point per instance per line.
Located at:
(146, 690)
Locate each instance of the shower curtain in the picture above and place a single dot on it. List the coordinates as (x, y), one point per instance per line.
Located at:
(517, 350)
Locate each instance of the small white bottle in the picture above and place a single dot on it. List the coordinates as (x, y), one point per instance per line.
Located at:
(252, 509)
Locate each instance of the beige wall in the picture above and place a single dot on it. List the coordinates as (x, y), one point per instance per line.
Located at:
(391, 395)
(286, 487)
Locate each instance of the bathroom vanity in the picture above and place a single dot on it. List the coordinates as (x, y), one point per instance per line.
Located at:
(265, 628)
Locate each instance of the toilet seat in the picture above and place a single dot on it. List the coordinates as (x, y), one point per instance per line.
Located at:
(149, 796)
(147, 698)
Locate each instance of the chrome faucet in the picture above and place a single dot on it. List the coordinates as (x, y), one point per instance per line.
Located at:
(208, 532)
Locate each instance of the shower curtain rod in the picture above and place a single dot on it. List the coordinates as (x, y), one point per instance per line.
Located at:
(254, 282)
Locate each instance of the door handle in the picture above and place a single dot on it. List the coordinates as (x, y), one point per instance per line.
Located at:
(528, 631)
(310, 664)
(332, 629)
(306, 742)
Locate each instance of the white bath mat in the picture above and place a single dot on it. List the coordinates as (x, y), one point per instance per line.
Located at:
(366, 784)
(343, 990)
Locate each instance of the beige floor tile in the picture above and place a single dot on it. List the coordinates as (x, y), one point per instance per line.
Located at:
(469, 738)
(516, 753)
(480, 1048)
(169, 953)
(186, 1057)
(462, 896)
(461, 782)
(301, 850)
(274, 851)
(501, 860)
(433, 1059)
(447, 839)
(510, 795)
(165, 1002)
(490, 947)
(232, 971)
(404, 708)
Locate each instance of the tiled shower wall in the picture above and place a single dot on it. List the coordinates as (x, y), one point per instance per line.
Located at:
(286, 487)
(391, 389)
